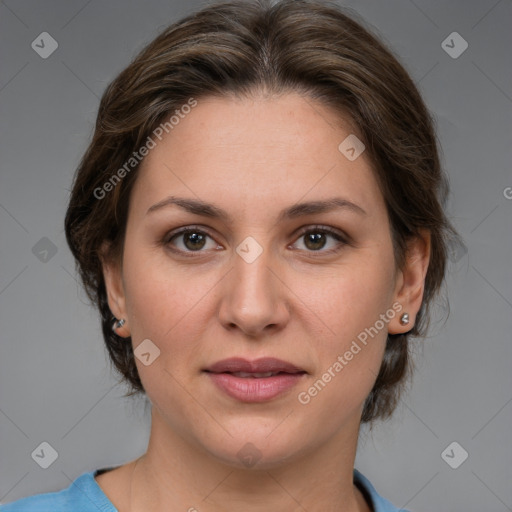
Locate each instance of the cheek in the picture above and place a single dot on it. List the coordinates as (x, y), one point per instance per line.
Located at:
(158, 295)
(348, 365)
(351, 299)
(168, 307)
(355, 308)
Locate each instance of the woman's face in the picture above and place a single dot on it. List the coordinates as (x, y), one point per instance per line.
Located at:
(264, 280)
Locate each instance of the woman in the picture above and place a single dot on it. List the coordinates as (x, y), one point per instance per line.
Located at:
(259, 221)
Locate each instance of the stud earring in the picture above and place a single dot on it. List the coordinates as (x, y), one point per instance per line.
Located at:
(404, 319)
(118, 324)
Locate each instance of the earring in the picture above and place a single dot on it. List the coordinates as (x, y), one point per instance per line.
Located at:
(404, 319)
(118, 324)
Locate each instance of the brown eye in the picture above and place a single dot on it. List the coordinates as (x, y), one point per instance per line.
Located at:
(193, 240)
(190, 240)
(315, 239)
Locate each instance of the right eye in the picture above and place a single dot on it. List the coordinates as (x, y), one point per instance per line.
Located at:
(189, 240)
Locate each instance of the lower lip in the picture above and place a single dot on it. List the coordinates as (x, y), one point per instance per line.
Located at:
(255, 389)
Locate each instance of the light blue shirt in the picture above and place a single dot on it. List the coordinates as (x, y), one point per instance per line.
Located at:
(85, 495)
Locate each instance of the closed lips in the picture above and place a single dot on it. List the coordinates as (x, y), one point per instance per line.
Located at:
(256, 375)
(255, 381)
(259, 368)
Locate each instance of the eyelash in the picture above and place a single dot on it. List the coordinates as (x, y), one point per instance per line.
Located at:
(342, 240)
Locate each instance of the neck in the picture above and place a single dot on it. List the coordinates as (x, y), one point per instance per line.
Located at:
(175, 474)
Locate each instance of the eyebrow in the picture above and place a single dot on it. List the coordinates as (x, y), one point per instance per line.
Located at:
(198, 207)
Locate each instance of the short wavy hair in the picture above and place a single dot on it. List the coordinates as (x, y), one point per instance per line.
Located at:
(237, 48)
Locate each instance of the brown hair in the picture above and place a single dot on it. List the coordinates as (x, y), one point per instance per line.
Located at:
(238, 48)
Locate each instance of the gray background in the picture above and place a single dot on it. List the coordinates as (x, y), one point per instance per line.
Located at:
(55, 382)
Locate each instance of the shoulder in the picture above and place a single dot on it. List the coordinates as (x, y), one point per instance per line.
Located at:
(83, 495)
(378, 503)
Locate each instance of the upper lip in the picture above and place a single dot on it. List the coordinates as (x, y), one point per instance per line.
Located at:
(262, 365)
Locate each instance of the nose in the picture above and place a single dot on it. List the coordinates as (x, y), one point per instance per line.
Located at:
(254, 297)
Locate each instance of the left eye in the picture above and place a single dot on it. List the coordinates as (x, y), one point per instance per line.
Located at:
(317, 239)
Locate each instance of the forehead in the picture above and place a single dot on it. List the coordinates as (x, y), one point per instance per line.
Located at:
(241, 150)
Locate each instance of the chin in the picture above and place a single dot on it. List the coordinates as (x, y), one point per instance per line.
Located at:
(256, 449)
(253, 457)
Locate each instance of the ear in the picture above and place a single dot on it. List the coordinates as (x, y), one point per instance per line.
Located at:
(112, 274)
(410, 283)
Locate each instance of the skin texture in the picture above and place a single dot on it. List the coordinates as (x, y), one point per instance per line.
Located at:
(253, 158)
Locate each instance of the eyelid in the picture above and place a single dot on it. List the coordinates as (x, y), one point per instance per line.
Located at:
(185, 229)
(325, 229)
